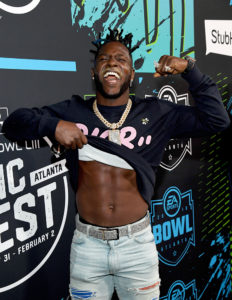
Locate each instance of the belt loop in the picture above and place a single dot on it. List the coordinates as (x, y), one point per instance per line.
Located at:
(76, 219)
(148, 215)
(87, 230)
(129, 231)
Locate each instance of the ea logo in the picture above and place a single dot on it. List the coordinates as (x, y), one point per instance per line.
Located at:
(19, 9)
(181, 291)
(177, 291)
(172, 202)
(168, 93)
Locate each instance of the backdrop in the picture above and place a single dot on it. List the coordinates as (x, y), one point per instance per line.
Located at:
(45, 58)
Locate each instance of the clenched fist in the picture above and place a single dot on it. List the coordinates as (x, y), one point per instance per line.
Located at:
(170, 65)
(69, 135)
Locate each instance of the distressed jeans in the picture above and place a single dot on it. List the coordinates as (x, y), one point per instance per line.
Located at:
(129, 265)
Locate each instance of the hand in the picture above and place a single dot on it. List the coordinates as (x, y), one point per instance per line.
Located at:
(170, 65)
(69, 135)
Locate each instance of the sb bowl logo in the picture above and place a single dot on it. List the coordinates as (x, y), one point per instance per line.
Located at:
(176, 149)
(172, 219)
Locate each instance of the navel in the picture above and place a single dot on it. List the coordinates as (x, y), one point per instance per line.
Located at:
(111, 207)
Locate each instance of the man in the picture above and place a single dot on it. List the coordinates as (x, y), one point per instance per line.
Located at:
(114, 177)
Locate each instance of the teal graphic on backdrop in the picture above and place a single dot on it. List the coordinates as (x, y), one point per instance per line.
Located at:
(180, 290)
(37, 64)
(219, 265)
(172, 219)
(229, 106)
(166, 27)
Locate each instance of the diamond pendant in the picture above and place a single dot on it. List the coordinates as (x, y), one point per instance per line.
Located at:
(114, 136)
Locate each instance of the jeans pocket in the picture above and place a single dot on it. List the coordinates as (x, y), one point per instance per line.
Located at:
(78, 238)
(76, 252)
(143, 238)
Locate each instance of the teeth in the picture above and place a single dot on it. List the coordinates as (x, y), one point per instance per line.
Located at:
(112, 74)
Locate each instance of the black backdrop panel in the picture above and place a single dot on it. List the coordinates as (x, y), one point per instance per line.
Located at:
(44, 58)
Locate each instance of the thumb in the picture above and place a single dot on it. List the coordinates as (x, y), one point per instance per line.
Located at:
(84, 139)
(157, 75)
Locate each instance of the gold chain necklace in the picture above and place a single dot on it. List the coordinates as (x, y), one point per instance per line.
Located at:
(114, 133)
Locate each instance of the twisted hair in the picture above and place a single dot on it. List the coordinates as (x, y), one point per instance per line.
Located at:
(112, 36)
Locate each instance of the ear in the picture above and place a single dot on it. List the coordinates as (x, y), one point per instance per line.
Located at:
(132, 74)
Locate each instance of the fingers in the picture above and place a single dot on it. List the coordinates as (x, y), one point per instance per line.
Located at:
(84, 139)
(156, 75)
(76, 142)
(164, 66)
(168, 65)
(69, 135)
(79, 141)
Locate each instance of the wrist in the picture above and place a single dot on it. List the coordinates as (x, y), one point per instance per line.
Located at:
(190, 64)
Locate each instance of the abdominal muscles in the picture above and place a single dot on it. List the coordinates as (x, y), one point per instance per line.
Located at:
(108, 196)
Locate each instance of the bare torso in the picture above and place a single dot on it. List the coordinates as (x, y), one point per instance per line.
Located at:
(108, 196)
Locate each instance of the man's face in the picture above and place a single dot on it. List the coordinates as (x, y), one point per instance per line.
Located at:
(113, 70)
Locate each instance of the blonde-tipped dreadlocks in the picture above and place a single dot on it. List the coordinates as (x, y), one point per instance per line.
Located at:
(112, 36)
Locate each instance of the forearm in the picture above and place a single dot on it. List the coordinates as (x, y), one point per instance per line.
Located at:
(27, 123)
(208, 100)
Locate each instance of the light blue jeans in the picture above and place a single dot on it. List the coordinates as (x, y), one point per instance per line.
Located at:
(129, 264)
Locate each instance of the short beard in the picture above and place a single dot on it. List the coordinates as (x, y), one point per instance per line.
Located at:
(100, 89)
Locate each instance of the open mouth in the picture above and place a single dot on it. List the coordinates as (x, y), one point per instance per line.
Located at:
(111, 76)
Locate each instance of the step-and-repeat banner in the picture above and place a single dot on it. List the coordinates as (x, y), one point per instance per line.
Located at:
(45, 58)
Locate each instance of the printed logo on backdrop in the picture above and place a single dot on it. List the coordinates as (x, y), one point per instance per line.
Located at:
(155, 25)
(3, 116)
(23, 9)
(174, 227)
(33, 210)
(180, 291)
(218, 35)
(176, 149)
(8, 146)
